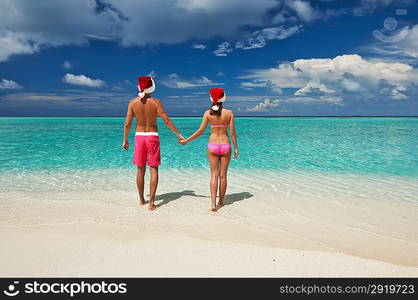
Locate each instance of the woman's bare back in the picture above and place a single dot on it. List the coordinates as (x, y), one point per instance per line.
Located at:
(219, 135)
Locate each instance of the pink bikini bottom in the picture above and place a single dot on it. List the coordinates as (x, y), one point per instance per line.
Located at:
(219, 149)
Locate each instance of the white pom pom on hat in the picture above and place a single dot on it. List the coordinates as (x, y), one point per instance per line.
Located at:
(217, 95)
(146, 85)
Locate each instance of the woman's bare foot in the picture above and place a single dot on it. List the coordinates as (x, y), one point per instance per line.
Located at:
(141, 202)
(213, 209)
(220, 203)
(152, 207)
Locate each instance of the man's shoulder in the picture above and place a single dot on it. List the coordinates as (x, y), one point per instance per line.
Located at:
(133, 100)
(154, 100)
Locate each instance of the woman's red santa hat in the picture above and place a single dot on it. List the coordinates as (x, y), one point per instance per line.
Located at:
(145, 86)
(217, 95)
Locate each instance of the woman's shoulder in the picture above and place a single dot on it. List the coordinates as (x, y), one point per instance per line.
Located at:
(228, 111)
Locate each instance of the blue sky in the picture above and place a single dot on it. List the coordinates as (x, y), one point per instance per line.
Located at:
(273, 57)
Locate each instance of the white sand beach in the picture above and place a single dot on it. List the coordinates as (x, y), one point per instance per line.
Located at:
(276, 225)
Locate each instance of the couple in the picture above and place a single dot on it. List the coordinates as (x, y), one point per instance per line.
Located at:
(146, 109)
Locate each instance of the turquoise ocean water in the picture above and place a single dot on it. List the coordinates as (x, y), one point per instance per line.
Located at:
(384, 146)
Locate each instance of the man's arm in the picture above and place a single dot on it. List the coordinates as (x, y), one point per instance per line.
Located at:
(127, 126)
(163, 115)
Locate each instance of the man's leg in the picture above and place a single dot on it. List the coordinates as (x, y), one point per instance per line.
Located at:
(140, 184)
(153, 187)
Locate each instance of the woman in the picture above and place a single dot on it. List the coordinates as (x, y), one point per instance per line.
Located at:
(219, 147)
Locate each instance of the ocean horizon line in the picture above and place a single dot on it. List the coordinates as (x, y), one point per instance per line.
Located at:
(244, 116)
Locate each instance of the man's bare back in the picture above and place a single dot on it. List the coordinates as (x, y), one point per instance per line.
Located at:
(145, 111)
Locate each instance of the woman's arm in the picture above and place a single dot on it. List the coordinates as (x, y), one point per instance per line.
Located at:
(200, 131)
(233, 135)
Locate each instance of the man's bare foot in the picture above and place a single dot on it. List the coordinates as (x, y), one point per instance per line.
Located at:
(213, 209)
(220, 203)
(141, 202)
(152, 207)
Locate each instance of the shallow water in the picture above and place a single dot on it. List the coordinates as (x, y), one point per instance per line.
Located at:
(363, 146)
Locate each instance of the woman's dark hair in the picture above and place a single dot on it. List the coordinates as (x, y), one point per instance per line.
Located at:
(216, 112)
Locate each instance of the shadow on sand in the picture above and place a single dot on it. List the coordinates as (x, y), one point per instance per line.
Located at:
(228, 200)
(231, 198)
(168, 197)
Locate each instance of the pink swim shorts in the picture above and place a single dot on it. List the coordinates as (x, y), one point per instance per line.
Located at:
(219, 149)
(147, 149)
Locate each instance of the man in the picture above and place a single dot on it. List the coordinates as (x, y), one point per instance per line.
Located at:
(147, 144)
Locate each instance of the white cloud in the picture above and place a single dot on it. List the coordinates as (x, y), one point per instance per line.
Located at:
(349, 77)
(223, 49)
(303, 9)
(23, 29)
(279, 105)
(409, 45)
(82, 80)
(258, 39)
(69, 95)
(274, 88)
(254, 84)
(186, 19)
(265, 105)
(262, 84)
(368, 6)
(391, 36)
(9, 85)
(284, 104)
(27, 26)
(401, 44)
(220, 74)
(13, 43)
(314, 88)
(36, 97)
(176, 82)
(199, 46)
(67, 65)
(331, 99)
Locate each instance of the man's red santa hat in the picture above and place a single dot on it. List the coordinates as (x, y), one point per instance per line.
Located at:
(145, 86)
(217, 95)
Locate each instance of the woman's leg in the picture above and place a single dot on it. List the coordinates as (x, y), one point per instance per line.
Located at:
(214, 174)
(225, 159)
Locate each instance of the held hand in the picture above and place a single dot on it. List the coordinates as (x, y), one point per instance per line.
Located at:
(125, 146)
(183, 142)
(180, 137)
(236, 153)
